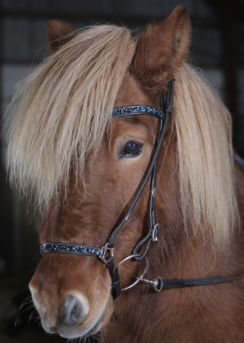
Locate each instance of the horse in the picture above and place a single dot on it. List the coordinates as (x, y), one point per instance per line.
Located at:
(92, 169)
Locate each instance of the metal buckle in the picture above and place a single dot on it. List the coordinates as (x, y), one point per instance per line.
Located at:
(155, 233)
(154, 192)
(104, 249)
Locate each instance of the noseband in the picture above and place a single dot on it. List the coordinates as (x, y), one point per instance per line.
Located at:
(158, 283)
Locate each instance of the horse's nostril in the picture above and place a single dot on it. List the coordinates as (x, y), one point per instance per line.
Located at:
(74, 310)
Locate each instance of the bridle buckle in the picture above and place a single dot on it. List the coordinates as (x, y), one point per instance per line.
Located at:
(155, 233)
(104, 249)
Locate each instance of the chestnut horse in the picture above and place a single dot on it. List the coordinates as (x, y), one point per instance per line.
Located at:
(85, 169)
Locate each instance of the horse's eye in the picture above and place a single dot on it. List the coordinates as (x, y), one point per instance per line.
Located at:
(131, 149)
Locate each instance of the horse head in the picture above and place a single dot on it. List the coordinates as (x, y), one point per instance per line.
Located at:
(88, 167)
(71, 293)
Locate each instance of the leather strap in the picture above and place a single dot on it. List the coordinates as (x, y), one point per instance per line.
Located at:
(178, 283)
(114, 274)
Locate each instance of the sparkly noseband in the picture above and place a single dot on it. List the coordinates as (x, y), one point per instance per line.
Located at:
(68, 248)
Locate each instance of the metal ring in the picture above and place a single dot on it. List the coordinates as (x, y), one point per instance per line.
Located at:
(156, 284)
(128, 258)
(144, 272)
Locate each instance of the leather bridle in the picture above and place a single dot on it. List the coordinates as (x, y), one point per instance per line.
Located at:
(158, 283)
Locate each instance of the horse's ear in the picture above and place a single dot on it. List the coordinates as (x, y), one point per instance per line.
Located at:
(58, 34)
(163, 47)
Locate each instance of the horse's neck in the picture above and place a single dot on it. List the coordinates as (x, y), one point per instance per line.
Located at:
(183, 314)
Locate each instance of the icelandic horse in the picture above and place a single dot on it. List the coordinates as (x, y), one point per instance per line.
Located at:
(85, 167)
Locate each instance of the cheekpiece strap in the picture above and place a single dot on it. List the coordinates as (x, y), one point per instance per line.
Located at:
(134, 110)
(68, 248)
(114, 274)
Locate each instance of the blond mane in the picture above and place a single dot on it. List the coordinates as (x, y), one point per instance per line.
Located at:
(205, 157)
(60, 112)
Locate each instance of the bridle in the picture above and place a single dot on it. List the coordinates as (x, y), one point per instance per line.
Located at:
(55, 247)
(158, 283)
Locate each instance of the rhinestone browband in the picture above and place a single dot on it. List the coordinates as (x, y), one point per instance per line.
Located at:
(70, 249)
(133, 110)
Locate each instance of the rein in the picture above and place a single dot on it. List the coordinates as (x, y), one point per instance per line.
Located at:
(158, 283)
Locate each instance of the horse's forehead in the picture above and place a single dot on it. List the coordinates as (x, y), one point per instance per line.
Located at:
(130, 93)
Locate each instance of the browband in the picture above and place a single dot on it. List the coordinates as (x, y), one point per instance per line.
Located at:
(134, 110)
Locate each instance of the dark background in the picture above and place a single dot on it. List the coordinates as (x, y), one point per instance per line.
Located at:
(217, 49)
